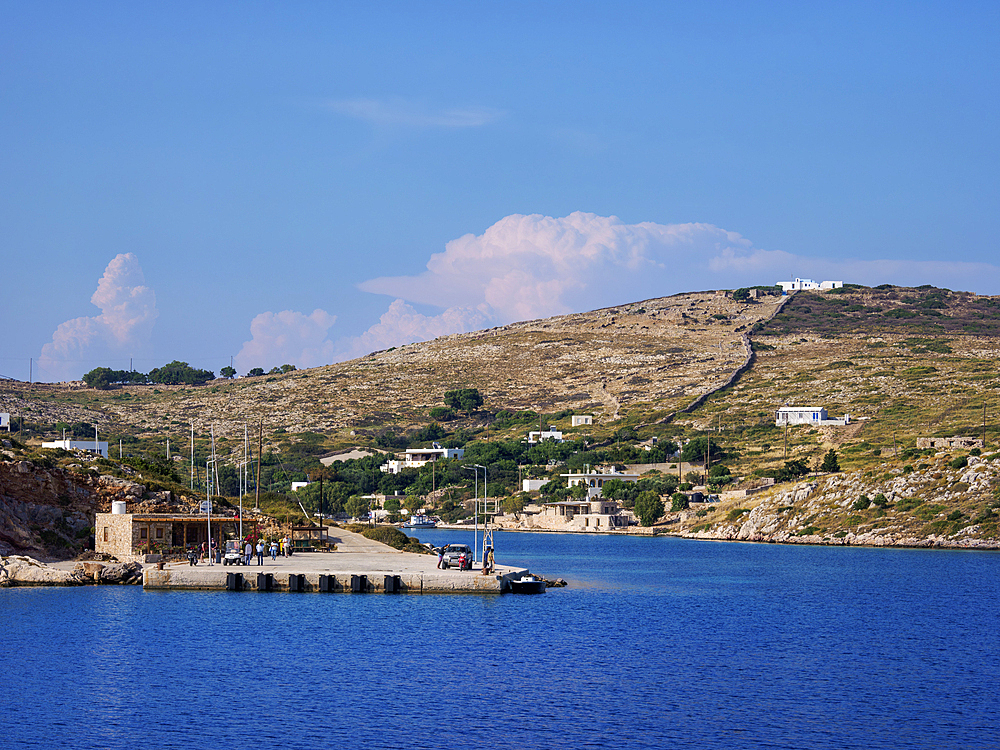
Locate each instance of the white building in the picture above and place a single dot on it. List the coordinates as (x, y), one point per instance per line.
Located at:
(799, 284)
(581, 419)
(5, 421)
(533, 485)
(414, 458)
(814, 415)
(594, 480)
(299, 485)
(100, 446)
(550, 434)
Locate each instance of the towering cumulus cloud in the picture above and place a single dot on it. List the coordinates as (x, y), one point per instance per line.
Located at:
(287, 337)
(128, 312)
(535, 266)
(526, 267)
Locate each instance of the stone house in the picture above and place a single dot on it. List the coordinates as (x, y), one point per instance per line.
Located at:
(963, 443)
(136, 536)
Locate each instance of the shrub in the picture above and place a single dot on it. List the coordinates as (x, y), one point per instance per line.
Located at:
(736, 513)
(442, 413)
(861, 503)
(387, 535)
(909, 504)
(959, 462)
(679, 502)
(881, 501)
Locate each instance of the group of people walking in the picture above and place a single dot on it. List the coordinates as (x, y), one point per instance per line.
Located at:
(273, 549)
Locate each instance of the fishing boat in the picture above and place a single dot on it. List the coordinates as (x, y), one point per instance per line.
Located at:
(419, 522)
(528, 584)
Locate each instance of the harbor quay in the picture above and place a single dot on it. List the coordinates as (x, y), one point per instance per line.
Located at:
(358, 565)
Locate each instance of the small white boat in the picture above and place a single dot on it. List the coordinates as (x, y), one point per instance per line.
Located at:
(419, 522)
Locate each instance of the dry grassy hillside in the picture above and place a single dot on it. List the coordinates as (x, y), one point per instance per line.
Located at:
(643, 360)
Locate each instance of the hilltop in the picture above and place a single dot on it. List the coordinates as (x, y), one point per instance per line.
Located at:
(903, 362)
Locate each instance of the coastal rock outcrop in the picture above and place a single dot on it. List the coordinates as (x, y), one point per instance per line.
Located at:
(18, 570)
(941, 503)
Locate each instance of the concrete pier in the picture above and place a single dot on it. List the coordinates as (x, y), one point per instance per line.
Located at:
(383, 569)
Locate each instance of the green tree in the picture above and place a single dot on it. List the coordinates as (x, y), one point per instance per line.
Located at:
(100, 378)
(741, 294)
(179, 373)
(255, 372)
(830, 462)
(696, 449)
(287, 368)
(228, 372)
(464, 399)
(514, 504)
(679, 502)
(648, 507)
(413, 500)
(357, 506)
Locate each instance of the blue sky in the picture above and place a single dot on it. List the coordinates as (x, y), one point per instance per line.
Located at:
(306, 182)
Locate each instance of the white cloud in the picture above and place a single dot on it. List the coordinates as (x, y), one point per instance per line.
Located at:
(401, 324)
(128, 312)
(399, 112)
(287, 337)
(535, 266)
(526, 267)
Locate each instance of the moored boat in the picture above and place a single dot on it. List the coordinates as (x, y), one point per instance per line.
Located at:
(528, 584)
(419, 522)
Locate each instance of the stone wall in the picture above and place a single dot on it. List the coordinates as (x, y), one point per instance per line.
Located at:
(966, 443)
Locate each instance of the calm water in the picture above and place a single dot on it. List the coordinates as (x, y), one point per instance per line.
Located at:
(657, 642)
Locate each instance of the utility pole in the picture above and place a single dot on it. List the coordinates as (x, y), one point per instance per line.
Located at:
(984, 425)
(260, 459)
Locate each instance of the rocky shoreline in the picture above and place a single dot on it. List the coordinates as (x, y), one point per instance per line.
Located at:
(20, 570)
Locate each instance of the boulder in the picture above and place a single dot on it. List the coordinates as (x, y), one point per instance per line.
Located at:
(119, 573)
(18, 570)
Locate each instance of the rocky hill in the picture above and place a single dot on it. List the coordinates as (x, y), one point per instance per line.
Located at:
(641, 361)
(903, 362)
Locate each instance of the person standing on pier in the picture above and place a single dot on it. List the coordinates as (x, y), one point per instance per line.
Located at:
(274, 551)
(260, 553)
(248, 554)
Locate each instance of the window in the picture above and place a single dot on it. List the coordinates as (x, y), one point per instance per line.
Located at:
(142, 533)
(159, 533)
(105, 533)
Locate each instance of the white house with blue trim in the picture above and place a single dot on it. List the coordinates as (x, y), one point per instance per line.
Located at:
(814, 415)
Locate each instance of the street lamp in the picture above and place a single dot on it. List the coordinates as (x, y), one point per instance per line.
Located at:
(475, 512)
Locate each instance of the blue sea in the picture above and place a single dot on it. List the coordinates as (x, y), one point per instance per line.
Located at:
(655, 643)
